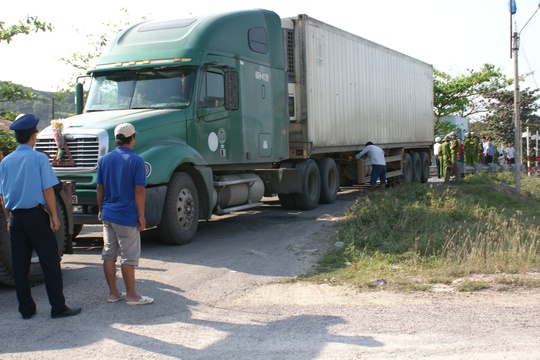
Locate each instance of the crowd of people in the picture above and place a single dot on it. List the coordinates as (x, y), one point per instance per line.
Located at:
(451, 149)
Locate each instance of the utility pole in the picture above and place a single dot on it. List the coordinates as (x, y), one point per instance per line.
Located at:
(517, 124)
(52, 108)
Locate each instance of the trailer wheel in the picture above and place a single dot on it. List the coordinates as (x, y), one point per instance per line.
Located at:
(311, 185)
(36, 274)
(416, 166)
(180, 217)
(424, 160)
(329, 180)
(407, 169)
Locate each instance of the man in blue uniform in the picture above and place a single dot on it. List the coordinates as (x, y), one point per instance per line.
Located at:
(26, 186)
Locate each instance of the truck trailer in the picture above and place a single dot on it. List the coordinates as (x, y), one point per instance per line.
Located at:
(232, 107)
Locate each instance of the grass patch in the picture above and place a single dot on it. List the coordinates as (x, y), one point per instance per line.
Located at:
(470, 286)
(436, 233)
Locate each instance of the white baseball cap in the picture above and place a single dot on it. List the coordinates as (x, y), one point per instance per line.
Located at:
(125, 129)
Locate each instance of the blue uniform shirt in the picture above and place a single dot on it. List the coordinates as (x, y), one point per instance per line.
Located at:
(119, 172)
(24, 174)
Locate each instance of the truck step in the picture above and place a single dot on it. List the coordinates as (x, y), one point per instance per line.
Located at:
(231, 209)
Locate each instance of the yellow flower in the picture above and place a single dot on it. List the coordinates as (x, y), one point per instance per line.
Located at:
(57, 124)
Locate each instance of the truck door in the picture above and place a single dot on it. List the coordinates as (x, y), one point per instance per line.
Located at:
(213, 127)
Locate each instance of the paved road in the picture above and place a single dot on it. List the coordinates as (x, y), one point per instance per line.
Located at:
(223, 297)
(229, 256)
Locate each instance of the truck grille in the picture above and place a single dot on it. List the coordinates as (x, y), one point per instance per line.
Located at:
(84, 149)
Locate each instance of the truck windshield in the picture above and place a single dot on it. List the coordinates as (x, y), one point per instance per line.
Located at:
(144, 89)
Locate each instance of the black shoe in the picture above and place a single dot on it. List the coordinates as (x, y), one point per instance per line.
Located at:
(26, 317)
(66, 313)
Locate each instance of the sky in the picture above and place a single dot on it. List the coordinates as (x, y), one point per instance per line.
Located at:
(454, 36)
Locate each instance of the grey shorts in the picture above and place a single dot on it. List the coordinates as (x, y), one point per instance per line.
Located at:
(121, 240)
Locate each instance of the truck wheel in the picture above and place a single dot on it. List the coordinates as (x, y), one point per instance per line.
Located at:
(6, 272)
(407, 169)
(329, 180)
(311, 185)
(345, 175)
(36, 274)
(416, 166)
(77, 229)
(424, 160)
(180, 212)
(62, 233)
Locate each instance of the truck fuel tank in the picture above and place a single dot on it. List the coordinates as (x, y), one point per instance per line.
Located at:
(235, 190)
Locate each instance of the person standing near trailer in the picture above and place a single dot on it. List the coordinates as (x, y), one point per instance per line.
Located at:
(378, 164)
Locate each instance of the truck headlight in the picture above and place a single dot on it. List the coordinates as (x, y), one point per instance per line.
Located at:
(148, 169)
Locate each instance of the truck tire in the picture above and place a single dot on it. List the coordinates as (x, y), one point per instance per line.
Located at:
(347, 173)
(416, 166)
(77, 229)
(407, 168)
(62, 233)
(36, 274)
(329, 180)
(180, 217)
(424, 160)
(6, 266)
(311, 185)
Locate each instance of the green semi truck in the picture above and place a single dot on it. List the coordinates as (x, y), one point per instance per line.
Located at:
(233, 107)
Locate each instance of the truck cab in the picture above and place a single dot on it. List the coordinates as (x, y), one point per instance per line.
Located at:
(208, 102)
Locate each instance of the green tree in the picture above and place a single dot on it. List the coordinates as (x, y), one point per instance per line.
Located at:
(24, 27)
(462, 95)
(499, 121)
(10, 93)
(8, 143)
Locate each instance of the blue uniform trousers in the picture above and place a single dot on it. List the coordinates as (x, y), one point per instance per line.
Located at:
(30, 230)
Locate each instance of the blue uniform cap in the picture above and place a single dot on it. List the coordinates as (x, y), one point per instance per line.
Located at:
(25, 122)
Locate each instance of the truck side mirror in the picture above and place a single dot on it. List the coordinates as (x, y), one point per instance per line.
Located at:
(79, 96)
(231, 90)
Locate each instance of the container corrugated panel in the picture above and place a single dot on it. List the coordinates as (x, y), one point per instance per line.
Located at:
(359, 91)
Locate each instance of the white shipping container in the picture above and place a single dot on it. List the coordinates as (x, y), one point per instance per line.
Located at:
(349, 90)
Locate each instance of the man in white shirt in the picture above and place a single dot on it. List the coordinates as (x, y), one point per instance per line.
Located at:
(436, 148)
(378, 164)
(510, 154)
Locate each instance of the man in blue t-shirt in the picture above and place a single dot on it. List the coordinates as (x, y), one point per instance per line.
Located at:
(121, 182)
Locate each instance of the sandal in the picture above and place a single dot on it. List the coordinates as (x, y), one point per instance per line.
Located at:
(142, 301)
(121, 297)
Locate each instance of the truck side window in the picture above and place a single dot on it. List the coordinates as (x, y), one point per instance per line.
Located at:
(212, 94)
(258, 40)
